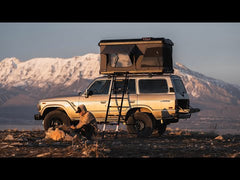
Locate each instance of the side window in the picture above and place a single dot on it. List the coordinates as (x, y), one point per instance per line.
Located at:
(153, 86)
(100, 87)
(152, 58)
(131, 85)
(119, 60)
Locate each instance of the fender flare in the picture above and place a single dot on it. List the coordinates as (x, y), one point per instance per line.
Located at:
(53, 107)
(139, 109)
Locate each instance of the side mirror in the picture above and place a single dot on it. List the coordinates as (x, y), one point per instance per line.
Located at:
(88, 93)
(79, 93)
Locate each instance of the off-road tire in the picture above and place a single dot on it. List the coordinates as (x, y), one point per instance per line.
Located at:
(55, 118)
(140, 123)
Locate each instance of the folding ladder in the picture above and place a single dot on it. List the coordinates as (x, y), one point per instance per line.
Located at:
(114, 96)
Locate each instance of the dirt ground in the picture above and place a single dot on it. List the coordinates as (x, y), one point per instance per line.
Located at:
(174, 143)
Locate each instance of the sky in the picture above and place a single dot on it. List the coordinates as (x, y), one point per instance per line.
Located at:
(209, 48)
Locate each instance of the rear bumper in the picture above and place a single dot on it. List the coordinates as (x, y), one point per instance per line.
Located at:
(186, 113)
(194, 110)
(38, 117)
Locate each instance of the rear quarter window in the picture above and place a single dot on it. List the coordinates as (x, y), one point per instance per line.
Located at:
(153, 86)
(179, 86)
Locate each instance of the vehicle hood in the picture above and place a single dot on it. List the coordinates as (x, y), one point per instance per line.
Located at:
(72, 98)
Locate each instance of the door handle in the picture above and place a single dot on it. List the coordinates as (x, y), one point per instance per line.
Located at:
(103, 102)
(132, 101)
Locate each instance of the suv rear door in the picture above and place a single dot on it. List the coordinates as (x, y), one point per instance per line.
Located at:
(154, 94)
(182, 98)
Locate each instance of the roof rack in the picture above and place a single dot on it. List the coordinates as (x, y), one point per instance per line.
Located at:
(136, 74)
(144, 40)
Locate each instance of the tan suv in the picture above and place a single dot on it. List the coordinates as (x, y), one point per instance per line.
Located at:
(153, 102)
(156, 98)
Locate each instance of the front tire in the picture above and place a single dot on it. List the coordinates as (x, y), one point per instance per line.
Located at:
(56, 118)
(140, 123)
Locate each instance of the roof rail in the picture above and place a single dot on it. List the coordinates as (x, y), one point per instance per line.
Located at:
(135, 41)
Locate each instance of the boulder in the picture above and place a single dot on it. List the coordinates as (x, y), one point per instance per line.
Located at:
(55, 135)
(9, 137)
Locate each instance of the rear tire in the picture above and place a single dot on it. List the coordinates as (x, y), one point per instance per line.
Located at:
(56, 118)
(140, 123)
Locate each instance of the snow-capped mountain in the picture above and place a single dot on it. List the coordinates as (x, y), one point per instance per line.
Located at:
(45, 72)
(38, 78)
(202, 87)
(216, 99)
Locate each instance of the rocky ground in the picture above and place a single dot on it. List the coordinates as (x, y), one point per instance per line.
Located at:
(174, 143)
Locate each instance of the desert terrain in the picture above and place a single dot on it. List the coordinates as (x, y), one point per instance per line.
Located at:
(174, 143)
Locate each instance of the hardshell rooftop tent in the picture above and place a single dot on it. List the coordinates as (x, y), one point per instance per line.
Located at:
(146, 55)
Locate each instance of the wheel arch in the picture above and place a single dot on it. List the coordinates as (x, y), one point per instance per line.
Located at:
(147, 110)
(50, 109)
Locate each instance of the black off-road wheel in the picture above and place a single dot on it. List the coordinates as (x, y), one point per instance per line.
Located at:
(56, 118)
(140, 123)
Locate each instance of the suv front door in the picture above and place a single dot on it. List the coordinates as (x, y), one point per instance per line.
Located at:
(96, 101)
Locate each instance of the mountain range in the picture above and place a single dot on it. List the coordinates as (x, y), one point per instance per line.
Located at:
(22, 84)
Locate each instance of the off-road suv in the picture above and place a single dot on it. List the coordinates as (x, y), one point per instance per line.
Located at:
(155, 97)
(155, 102)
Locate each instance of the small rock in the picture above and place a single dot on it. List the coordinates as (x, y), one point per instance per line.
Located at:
(16, 144)
(68, 138)
(219, 138)
(43, 154)
(116, 142)
(145, 156)
(85, 153)
(19, 139)
(107, 150)
(234, 155)
(9, 138)
(5, 146)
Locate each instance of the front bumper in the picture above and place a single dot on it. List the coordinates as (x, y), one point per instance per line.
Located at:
(38, 117)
